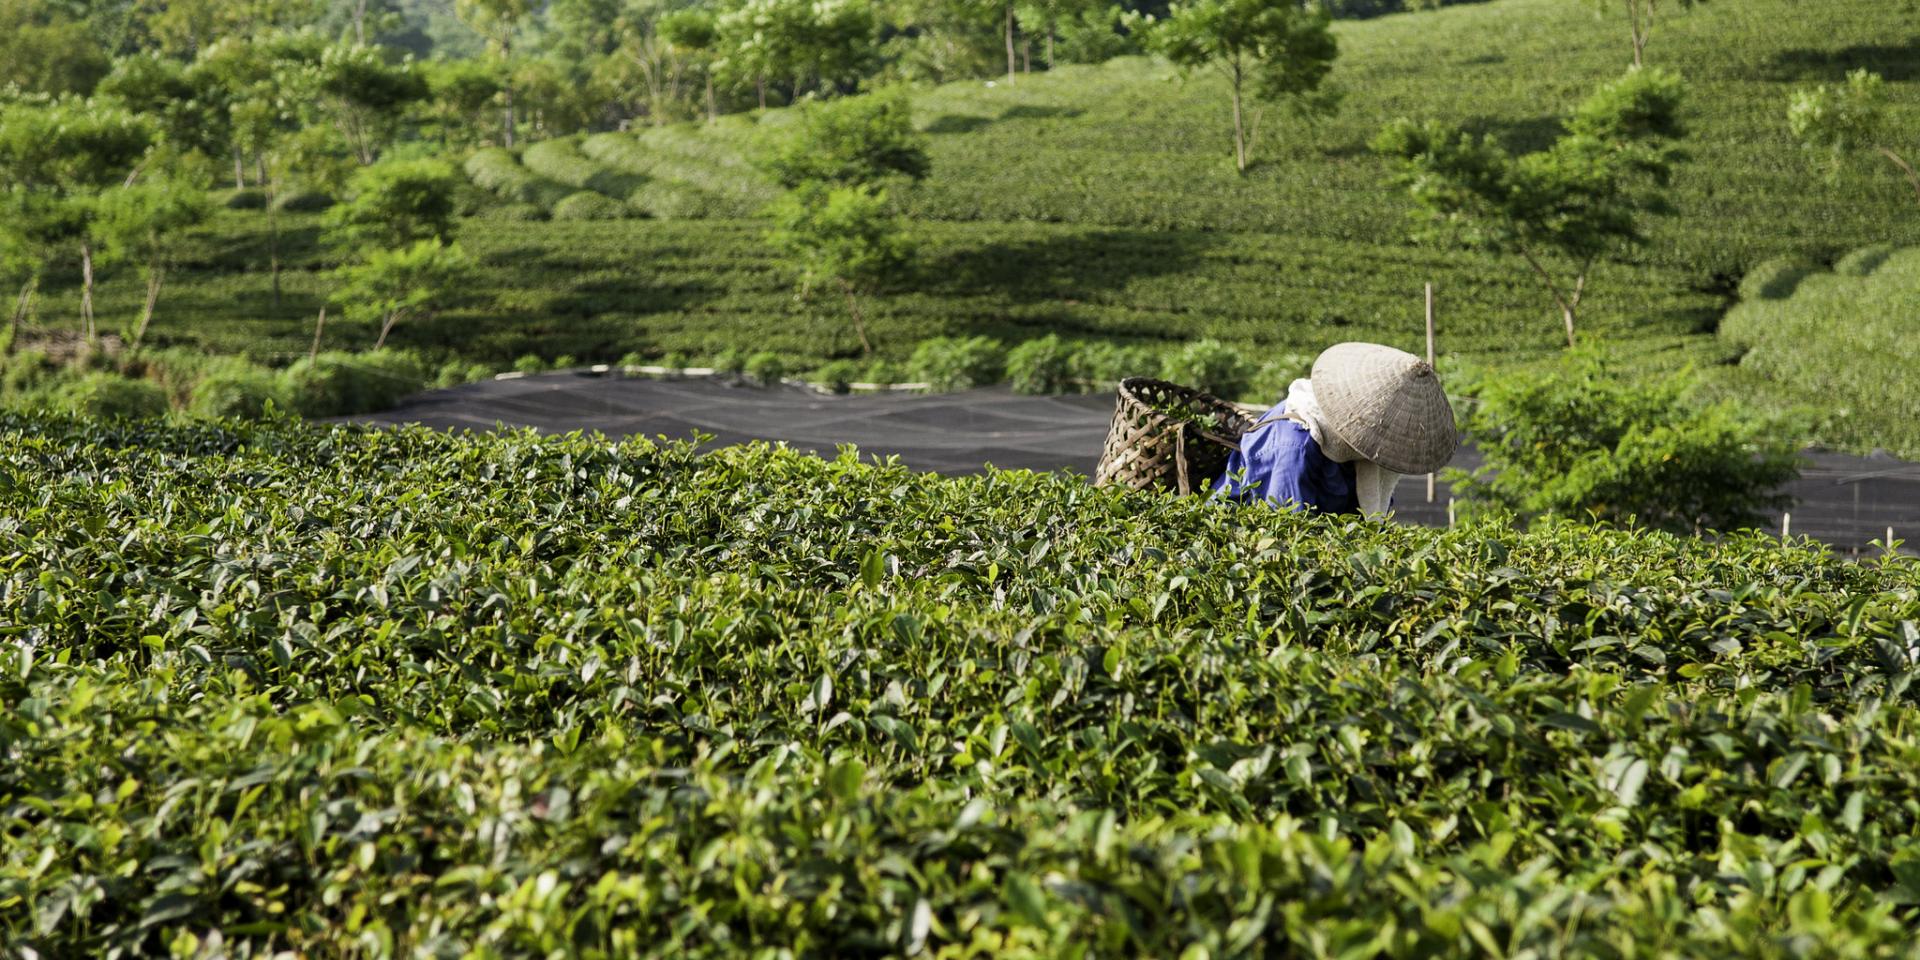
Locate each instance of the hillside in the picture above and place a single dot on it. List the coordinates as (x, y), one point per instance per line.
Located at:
(1842, 342)
(1100, 201)
(332, 691)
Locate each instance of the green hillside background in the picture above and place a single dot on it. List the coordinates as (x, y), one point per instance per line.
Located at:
(1101, 202)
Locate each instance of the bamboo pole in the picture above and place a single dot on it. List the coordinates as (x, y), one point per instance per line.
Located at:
(1430, 477)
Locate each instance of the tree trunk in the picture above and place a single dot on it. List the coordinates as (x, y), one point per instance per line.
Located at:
(1009, 32)
(713, 103)
(1239, 126)
(506, 62)
(318, 325)
(1052, 30)
(386, 327)
(360, 22)
(1639, 32)
(1568, 308)
(273, 249)
(859, 320)
(761, 84)
(1026, 55)
(239, 170)
(156, 275)
(20, 309)
(86, 291)
(1913, 176)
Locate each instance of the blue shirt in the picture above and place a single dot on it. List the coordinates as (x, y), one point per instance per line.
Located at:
(1280, 463)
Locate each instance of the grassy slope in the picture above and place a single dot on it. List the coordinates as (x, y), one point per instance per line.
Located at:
(1100, 201)
(1845, 345)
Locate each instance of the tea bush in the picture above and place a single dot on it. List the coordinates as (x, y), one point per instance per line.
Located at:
(341, 384)
(1776, 279)
(1864, 261)
(957, 363)
(1217, 368)
(240, 394)
(1045, 365)
(587, 205)
(1842, 346)
(332, 691)
(499, 172)
(108, 395)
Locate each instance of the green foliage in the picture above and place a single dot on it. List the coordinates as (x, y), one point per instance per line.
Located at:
(587, 205)
(1217, 368)
(1582, 198)
(1864, 261)
(507, 714)
(1577, 440)
(304, 201)
(500, 173)
(1776, 279)
(393, 285)
(729, 362)
(958, 363)
(836, 375)
(1842, 345)
(765, 367)
(839, 235)
(103, 395)
(249, 198)
(338, 384)
(1284, 51)
(240, 394)
(816, 45)
(1045, 365)
(396, 203)
(851, 143)
(1839, 120)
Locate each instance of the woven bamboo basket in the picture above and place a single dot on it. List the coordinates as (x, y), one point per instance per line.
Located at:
(1148, 449)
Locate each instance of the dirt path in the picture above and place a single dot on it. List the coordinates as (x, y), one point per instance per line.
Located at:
(1843, 500)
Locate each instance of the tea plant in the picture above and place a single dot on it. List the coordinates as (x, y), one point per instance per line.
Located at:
(330, 690)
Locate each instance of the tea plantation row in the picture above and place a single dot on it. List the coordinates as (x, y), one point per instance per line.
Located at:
(410, 693)
(599, 290)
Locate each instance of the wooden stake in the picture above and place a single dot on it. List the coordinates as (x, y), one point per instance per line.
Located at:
(1786, 525)
(1430, 477)
(1449, 511)
(318, 325)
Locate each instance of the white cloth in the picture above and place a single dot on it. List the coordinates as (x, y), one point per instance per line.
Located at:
(1373, 484)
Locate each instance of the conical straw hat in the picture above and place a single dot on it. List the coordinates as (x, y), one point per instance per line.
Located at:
(1387, 405)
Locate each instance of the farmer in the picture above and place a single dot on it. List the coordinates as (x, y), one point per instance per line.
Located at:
(1341, 439)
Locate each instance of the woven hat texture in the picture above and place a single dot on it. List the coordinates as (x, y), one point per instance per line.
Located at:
(1386, 404)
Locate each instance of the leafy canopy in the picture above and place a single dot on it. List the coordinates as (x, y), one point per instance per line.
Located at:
(853, 142)
(395, 203)
(1284, 47)
(1578, 440)
(392, 285)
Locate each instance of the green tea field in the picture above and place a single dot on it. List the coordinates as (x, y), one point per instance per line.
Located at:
(1101, 202)
(397, 693)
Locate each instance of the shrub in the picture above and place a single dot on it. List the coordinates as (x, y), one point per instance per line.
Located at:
(765, 367)
(304, 201)
(675, 361)
(106, 396)
(1210, 365)
(956, 363)
(633, 358)
(239, 394)
(587, 205)
(500, 173)
(883, 371)
(338, 383)
(522, 212)
(1864, 261)
(1041, 366)
(396, 203)
(1576, 440)
(1776, 279)
(1269, 385)
(250, 198)
(25, 372)
(565, 361)
(836, 375)
(1104, 364)
(730, 362)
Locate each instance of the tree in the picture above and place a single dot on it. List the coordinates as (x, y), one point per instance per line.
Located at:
(853, 143)
(42, 51)
(1579, 441)
(140, 222)
(841, 235)
(1581, 198)
(407, 281)
(58, 157)
(500, 22)
(1843, 119)
(1641, 15)
(460, 91)
(395, 203)
(647, 46)
(695, 33)
(1283, 49)
(815, 45)
(367, 96)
